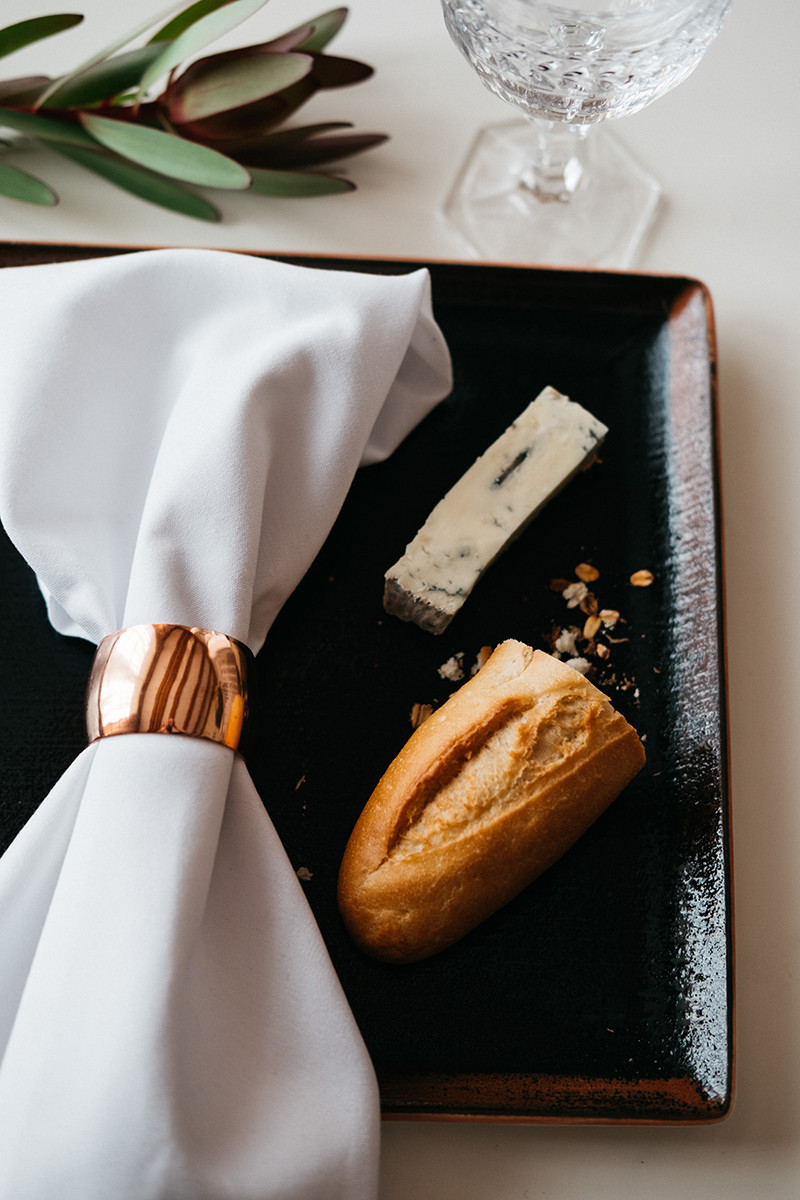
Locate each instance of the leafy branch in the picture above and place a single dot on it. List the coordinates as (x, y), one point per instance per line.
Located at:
(214, 123)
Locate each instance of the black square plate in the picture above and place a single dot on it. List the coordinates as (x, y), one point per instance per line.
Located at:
(605, 991)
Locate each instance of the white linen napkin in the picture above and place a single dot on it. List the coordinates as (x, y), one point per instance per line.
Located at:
(178, 430)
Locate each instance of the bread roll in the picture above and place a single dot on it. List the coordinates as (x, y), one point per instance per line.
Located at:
(494, 787)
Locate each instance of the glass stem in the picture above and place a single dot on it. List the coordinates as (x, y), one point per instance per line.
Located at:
(556, 170)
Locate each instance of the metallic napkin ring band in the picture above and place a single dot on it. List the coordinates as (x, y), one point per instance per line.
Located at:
(169, 679)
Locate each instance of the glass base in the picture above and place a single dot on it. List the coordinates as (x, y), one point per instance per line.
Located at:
(499, 217)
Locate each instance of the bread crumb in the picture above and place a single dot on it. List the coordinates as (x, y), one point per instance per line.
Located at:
(579, 664)
(567, 641)
(420, 714)
(304, 874)
(452, 669)
(574, 593)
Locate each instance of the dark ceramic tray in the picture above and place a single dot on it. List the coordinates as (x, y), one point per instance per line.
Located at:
(604, 992)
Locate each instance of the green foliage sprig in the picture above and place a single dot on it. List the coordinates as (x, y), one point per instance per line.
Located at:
(213, 123)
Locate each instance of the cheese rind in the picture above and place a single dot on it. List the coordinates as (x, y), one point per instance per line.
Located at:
(488, 507)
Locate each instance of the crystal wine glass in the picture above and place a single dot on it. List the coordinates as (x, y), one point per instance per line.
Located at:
(549, 188)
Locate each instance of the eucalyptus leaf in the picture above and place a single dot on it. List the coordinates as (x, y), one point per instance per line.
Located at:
(47, 129)
(326, 26)
(297, 183)
(246, 127)
(105, 53)
(197, 36)
(313, 35)
(23, 91)
(18, 185)
(300, 133)
(209, 87)
(332, 72)
(279, 45)
(186, 18)
(164, 152)
(24, 33)
(142, 183)
(312, 152)
(104, 80)
(286, 41)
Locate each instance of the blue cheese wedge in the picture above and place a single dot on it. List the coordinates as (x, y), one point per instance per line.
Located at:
(488, 507)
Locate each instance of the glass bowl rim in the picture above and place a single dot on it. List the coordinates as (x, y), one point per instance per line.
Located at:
(646, 8)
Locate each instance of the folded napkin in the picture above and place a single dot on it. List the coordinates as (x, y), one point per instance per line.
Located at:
(178, 430)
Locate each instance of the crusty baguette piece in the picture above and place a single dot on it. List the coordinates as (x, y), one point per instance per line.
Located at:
(494, 787)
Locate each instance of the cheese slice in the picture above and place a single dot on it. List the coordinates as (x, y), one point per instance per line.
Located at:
(488, 507)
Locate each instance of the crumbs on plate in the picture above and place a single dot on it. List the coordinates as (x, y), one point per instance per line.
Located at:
(582, 645)
(585, 643)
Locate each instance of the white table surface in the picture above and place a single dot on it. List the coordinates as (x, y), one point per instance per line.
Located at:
(725, 145)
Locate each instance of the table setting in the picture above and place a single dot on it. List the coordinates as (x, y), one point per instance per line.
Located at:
(271, 281)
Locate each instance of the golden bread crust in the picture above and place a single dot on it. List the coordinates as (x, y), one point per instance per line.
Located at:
(490, 791)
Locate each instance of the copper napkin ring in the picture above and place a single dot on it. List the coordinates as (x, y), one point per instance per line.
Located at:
(169, 679)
